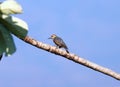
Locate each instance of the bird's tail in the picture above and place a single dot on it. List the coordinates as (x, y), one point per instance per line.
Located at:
(67, 51)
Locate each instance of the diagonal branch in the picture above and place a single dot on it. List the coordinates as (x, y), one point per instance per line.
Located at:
(72, 57)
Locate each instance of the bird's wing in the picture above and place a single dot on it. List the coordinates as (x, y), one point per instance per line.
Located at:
(62, 43)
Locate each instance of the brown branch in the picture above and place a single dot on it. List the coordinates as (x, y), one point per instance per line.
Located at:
(72, 57)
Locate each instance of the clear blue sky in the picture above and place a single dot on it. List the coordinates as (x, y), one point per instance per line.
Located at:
(90, 28)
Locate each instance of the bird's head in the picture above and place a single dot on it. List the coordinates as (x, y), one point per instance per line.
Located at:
(52, 36)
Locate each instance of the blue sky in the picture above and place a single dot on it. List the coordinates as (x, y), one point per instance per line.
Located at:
(90, 28)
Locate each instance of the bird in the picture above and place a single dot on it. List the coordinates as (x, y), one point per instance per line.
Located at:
(59, 42)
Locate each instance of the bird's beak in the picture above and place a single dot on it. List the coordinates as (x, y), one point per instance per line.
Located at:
(49, 38)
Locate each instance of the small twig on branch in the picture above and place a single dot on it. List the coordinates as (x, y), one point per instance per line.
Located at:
(72, 57)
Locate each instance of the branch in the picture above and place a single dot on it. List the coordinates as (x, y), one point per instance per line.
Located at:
(72, 57)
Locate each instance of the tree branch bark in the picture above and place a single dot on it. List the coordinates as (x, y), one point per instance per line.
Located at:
(72, 57)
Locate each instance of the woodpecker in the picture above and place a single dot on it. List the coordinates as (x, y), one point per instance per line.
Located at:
(59, 42)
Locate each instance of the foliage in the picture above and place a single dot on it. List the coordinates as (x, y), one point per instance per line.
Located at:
(10, 25)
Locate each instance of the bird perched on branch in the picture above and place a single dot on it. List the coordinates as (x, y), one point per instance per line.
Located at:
(59, 42)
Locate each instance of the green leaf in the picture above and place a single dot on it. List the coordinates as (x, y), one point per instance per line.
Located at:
(15, 25)
(6, 42)
(2, 43)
